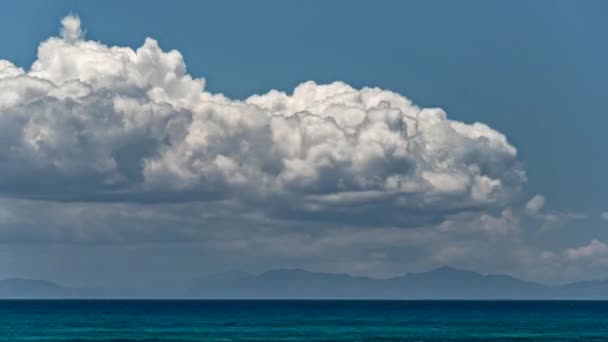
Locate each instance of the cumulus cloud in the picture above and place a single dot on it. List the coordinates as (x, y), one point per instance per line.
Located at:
(535, 208)
(587, 261)
(99, 123)
(71, 30)
(535, 204)
(595, 249)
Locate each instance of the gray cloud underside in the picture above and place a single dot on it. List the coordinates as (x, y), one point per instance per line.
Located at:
(186, 239)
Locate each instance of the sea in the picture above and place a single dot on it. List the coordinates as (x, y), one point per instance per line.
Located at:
(302, 320)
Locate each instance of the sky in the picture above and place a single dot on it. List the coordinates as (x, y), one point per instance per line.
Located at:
(148, 143)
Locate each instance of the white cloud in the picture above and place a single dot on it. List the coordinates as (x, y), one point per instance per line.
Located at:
(535, 204)
(93, 122)
(604, 215)
(8, 69)
(535, 208)
(594, 249)
(71, 30)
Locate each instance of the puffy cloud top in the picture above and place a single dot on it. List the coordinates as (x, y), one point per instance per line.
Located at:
(93, 122)
(71, 30)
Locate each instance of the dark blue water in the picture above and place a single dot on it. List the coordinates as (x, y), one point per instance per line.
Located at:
(303, 321)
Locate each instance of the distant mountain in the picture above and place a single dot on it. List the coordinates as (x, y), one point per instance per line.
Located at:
(594, 289)
(222, 277)
(450, 283)
(28, 288)
(441, 283)
(288, 283)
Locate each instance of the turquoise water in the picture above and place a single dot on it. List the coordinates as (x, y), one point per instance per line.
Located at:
(76, 320)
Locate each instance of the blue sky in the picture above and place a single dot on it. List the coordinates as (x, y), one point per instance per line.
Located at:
(534, 71)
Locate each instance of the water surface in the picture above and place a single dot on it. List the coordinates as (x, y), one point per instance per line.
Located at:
(284, 320)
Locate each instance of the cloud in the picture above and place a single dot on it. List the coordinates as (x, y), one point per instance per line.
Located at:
(535, 204)
(97, 123)
(604, 215)
(48, 239)
(488, 224)
(203, 236)
(535, 208)
(71, 30)
(595, 249)
(210, 236)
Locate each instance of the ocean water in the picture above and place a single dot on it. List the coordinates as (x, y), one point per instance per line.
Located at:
(284, 320)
